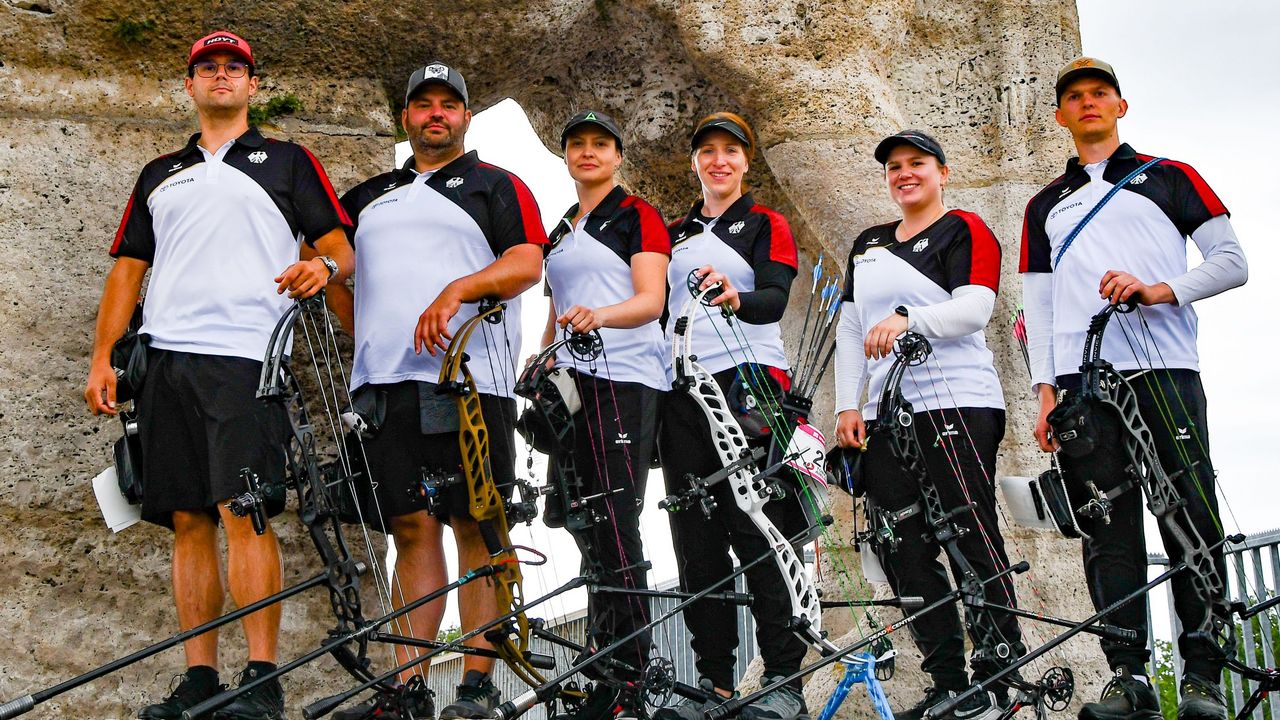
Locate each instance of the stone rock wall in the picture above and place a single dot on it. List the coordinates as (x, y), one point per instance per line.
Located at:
(91, 91)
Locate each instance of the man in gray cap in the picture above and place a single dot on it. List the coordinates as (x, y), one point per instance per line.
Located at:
(443, 232)
(1132, 250)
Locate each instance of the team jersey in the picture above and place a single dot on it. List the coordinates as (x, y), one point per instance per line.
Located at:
(217, 229)
(744, 237)
(416, 233)
(590, 265)
(956, 251)
(1142, 230)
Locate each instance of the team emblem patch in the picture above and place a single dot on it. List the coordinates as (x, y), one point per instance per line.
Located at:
(453, 182)
(1142, 177)
(437, 71)
(736, 228)
(257, 157)
(920, 245)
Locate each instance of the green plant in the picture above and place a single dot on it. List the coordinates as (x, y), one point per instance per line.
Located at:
(1165, 681)
(133, 32)
(263, 114)
(449, 634)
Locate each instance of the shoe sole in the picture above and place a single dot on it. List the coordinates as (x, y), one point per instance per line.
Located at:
(1140, 715)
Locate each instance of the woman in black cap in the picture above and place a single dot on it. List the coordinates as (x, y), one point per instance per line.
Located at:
(606, 270)
(934, 272)
(748, 249)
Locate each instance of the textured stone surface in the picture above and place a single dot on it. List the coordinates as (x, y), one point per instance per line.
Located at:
(81, 110)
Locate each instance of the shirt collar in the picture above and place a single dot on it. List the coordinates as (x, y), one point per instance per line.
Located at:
(250, 138)
(1124, 152)
(733, 213)
(457, 166)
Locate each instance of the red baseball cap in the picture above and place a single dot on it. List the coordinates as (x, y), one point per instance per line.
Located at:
(221, 41)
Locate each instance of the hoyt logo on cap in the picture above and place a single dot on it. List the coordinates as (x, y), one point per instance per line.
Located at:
(221, 41)
(436, 72)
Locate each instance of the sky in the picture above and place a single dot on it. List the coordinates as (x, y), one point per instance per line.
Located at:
(1202, 84)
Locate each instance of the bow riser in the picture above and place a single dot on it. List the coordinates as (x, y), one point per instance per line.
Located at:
(750, 490)
(486, 506)
(1106, 385)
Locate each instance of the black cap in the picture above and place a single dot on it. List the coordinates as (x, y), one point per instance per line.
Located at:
(591, 117)
(1082, 67)
(437, 72)
(910, 137)
(724, 124)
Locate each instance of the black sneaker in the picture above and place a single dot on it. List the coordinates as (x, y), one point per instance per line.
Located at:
(186, 691)
(418, 705)
(477, 698)
(782, 703)
(932, 697)
(690, 709)
(978, 706)
(265, 702)
(1201, 699)
(1123, 698)
(602, 703)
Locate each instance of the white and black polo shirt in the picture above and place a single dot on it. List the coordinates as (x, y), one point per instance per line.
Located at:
(956, 251)
(217, 228)
(1142, 231)
(590, 265)
(746, 237)
(416, 233)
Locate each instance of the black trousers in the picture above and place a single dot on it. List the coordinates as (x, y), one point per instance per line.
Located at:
(702, 548)
(1172, 404)
(953, 441)
(614, 436)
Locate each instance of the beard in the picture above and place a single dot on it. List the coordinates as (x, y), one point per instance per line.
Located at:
(420, 141)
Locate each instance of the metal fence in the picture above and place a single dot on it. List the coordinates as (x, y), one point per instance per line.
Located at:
(671, 640)
(1253, 574)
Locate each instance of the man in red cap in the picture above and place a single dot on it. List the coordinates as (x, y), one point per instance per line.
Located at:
(219, 224)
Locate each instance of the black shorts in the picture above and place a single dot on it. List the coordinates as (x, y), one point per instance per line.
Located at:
(200, 425)
(399, 453)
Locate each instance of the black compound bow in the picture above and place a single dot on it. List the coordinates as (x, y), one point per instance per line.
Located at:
(895, 422)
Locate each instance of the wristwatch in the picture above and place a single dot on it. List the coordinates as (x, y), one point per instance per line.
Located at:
(901, 310)
(329, 263)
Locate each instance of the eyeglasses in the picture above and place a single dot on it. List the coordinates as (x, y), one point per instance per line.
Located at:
(233, 68)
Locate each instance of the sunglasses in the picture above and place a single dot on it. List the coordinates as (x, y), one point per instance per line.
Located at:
(233, 68)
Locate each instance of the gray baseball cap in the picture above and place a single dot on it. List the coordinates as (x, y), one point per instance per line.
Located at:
(437, 72)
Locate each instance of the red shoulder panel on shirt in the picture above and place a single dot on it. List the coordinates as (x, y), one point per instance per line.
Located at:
(782, 246)
(530, 218)
(1024, 253)
(1207, 196)
(653, 234)
(328, 188)
(984, 265)
(128, 208)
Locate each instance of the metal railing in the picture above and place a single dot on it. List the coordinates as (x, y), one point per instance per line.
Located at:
(1253, 575)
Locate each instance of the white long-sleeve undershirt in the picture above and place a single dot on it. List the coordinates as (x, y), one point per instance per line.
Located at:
(1224, 265)
(1037, 306)
(967, 312)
